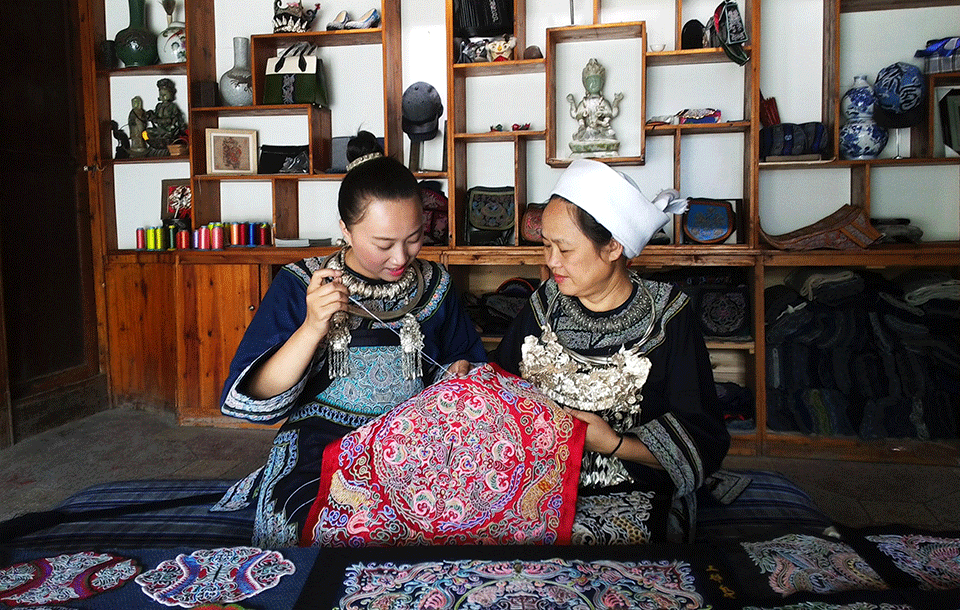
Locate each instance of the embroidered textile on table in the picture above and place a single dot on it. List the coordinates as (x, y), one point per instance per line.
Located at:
(553, 583)
(480, 459)
(799, 563)
(933, 561)
(223, 575)
(64, 578)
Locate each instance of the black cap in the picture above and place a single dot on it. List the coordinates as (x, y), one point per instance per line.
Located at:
(422, 108)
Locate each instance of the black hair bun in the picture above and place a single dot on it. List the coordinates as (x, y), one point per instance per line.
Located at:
(364, 143)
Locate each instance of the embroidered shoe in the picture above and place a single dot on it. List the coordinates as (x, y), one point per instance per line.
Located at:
(339, 21)
(370, 19)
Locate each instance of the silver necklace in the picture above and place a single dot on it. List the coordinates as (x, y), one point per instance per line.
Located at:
(411, 337)
(389, 290)
(615, 324)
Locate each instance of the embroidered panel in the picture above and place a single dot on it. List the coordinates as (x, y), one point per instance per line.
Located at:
(933, 562)
(64, 578)
(800, 563)
(375, 386)
(555, 583)
(615, 518)
(637, 311)
(481, 459)
(214, 576)
(272, 527)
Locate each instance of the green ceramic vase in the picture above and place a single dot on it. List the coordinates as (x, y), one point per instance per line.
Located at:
(136, 45)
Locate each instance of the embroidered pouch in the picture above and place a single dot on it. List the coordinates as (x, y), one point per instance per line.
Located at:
(482, 459)
(531, 226)
(490, 216)
(708, 221)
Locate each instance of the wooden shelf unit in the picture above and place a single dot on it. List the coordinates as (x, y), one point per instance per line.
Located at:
(194, 305)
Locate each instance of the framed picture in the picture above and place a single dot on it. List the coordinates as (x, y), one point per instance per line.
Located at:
(231, 151)
(176, 198)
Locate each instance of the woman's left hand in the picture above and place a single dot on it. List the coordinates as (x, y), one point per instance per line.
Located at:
(600, 436)
(460, 368)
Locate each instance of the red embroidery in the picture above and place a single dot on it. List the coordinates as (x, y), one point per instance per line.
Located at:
(485, 459)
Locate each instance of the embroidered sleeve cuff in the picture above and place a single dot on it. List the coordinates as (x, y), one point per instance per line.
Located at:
(671, 445)
(241, 405)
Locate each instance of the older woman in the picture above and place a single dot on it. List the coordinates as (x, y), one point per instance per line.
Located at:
(620, 353)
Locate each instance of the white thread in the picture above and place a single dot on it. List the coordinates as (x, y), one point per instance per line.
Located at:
(374, 316)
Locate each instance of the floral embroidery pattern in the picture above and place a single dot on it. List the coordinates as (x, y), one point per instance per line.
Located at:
(555, 583)
(64, 578)
(806, 563)
(218, 576)
(615, 518)
(481, 459)
(934, 562)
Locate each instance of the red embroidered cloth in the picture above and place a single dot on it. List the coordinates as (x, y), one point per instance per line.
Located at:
(484, 459)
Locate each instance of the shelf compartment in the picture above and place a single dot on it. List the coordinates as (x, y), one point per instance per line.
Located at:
(500, 136)
(635, 30)
(498, 68)
(154, 70)
(265, 46)
(686, 57)
(690, 129)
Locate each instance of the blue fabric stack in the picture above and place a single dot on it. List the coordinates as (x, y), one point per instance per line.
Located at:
(852, 353)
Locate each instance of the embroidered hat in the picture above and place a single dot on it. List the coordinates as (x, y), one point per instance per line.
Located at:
(422, 108)
(615, 201)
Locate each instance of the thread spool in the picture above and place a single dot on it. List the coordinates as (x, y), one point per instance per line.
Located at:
(141, 239)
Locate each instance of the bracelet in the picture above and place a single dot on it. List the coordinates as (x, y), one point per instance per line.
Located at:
(615, 449)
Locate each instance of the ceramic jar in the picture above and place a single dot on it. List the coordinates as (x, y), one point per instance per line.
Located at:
(172, 41)
(135, 44)
(861, 137)
(235, 84)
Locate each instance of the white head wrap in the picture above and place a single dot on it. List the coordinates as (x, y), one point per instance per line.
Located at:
(616, 202)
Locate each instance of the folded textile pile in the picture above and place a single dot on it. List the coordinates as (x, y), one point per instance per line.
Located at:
(848, 353)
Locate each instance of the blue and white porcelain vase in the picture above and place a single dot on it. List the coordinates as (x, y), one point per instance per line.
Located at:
(861, 137)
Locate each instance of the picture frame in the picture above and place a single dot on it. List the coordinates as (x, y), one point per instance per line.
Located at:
(231, 151)
(176, 198)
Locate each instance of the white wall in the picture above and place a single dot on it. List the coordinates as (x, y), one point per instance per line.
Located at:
(711, 165)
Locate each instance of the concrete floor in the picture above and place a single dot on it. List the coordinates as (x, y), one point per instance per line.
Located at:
(40, 471)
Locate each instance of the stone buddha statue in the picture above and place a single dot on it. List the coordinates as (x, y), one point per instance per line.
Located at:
(594, 136)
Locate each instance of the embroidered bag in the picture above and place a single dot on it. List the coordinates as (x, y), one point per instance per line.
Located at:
(490, 216)
(531, 225)
(296, 77)
(481, 459)
(708, 221)
(435, 213)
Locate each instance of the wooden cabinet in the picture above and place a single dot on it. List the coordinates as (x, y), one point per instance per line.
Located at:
(216, 303)
(141, 329)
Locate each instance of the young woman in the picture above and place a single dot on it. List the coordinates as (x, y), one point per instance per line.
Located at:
(340, 340)
(622, 354)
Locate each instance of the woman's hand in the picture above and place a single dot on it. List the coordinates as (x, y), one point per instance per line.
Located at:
(324, 298)
(600, 436)
(602, 439)
(288, 364)
(460, 368)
